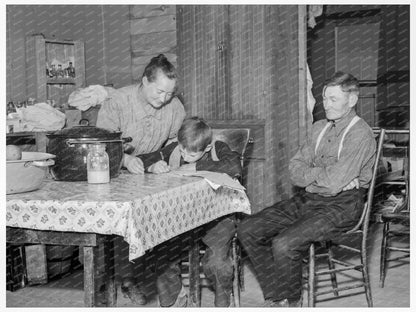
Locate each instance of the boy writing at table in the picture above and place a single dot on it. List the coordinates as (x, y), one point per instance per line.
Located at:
(196, 150)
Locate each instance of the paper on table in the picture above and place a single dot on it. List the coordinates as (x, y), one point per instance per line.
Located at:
(214, 179)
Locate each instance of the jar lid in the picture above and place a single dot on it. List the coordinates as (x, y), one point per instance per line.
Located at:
(86, 132)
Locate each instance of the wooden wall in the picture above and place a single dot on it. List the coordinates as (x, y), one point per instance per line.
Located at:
(386, 99)
(153, 31)
(242, 66)
(119, 39)
(105, 30)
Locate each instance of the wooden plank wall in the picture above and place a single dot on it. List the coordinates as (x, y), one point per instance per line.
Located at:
(261, 46)
(105, 30)
(152, 31)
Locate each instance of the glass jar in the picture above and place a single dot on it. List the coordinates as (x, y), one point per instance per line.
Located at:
(98, 164)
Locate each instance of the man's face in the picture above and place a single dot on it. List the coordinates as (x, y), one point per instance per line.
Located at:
(160, 91)
(337, 103)
(191, 157)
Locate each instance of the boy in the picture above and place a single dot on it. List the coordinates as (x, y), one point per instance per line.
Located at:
(196, 151)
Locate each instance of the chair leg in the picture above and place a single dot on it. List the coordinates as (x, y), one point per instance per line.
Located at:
(236, 267)
(311, 277)
(366, 278)
(383, 259)
(331, 267)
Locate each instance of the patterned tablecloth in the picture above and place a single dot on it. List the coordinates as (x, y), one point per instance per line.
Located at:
(145, 210)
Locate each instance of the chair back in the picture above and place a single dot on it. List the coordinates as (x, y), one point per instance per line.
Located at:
(362, 225)
(236, 138)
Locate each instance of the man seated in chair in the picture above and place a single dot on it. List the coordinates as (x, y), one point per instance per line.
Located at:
(333, 168)
(195, 150)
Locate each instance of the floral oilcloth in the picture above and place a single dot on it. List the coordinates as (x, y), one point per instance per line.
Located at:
(145, 210)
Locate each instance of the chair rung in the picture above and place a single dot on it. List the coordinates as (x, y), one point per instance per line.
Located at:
(357, 267)
(186, 275)
(398, 233)
(339, 289)
(398, 258)
(349, 248)
(346, 264)
(399, 249)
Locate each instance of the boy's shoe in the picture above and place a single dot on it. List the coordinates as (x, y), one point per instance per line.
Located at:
(180, 302)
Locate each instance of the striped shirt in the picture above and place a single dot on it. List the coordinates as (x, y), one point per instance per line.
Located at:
(126, 110)
(323, 172)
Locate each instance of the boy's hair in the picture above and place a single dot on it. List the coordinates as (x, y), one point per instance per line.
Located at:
(347, 82)
(161, 63)
(194, 134)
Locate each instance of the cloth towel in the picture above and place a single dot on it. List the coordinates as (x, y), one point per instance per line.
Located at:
(84, 98)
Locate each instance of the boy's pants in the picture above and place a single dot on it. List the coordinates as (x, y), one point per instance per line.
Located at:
(217, 264)
(277, 237)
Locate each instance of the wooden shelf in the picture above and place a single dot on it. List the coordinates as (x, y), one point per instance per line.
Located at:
(61, 81)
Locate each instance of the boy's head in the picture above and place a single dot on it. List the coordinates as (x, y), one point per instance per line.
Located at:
(194, 138)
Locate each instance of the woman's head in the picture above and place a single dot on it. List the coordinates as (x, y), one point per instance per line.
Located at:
(159, 81)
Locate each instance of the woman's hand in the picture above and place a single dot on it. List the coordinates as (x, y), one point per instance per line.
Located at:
(133, 164)
(160, 167)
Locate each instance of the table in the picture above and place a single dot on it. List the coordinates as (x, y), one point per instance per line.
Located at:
(145, 210)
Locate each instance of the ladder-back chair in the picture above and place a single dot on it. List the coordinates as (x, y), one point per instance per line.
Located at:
(396, 220)
(237, 139)
(360, 230)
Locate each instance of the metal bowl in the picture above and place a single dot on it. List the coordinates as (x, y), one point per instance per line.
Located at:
(27, 174)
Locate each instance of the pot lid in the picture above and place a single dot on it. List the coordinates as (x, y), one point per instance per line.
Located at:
(85, 132)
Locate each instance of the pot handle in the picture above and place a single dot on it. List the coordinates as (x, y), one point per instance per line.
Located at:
(71, 142)
(40, 163)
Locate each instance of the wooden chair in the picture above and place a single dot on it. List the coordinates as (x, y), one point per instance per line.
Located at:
(396, 221)
(360, 230)
(237, 139)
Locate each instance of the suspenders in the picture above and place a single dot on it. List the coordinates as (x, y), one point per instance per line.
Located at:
(352, 123)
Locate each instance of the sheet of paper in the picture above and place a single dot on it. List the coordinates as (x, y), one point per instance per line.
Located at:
(214, 179)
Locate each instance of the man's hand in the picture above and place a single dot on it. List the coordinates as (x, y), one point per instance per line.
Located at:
(133, 164)
(160, 167)
(355, 183)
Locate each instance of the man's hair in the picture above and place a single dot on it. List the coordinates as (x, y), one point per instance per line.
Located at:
(347, 82)
(194, 134)
(161, 63)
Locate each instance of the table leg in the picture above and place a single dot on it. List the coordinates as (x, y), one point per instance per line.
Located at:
(194, 280)
(90, 265)
(111, 290)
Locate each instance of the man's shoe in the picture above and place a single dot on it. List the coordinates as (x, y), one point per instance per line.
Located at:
(285, 303)
(136, 295)
(269, 303)
(180, 302)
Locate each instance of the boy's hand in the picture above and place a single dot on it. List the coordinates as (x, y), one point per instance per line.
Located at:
(133, 164)
(160, 167)
(355, 183)
(188, 167)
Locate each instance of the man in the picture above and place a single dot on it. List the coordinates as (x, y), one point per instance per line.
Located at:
(150, 113)
(333, 168)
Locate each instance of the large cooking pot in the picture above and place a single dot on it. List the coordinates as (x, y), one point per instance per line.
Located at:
(70, 146)
(27, 174)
